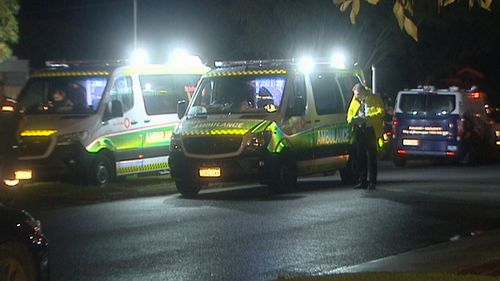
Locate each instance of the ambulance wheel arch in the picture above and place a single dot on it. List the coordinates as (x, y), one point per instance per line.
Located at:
(101, 170)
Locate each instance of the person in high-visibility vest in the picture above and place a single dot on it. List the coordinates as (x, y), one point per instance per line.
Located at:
(365, 114)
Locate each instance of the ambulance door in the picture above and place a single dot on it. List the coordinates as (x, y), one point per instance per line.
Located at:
(122, 134)
(161, 93)
(332, 133)
(298, 125)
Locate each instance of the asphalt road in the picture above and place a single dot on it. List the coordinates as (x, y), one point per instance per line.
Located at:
(248, 234)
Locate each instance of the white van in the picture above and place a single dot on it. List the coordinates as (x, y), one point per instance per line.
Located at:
(265, 121)
(94, 121)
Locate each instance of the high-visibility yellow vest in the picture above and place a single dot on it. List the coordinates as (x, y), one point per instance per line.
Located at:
(375, 116)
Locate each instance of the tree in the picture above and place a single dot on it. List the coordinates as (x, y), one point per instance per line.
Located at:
(9, 30)
(404, 11)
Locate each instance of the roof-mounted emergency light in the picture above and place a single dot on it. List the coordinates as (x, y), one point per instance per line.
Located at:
(182, 59)
(139, 57)
(338, 60)
(306, 64)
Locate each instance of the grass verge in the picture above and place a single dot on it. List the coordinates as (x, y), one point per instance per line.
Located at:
(49, 195)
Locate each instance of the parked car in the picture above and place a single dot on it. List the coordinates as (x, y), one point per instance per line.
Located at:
(23, 247)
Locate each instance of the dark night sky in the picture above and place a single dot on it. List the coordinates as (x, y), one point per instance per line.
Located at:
(103, 29)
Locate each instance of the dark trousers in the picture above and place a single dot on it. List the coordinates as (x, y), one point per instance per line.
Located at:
(366, 149)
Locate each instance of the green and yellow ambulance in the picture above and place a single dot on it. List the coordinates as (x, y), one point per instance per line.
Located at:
(94, 121)
(264, 121)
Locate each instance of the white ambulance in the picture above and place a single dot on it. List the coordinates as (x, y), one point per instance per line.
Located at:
(92, 122)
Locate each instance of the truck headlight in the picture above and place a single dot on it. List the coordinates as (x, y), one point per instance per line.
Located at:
(72, 137)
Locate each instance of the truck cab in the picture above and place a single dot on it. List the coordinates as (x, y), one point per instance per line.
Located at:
(264, 121)
(93, 121)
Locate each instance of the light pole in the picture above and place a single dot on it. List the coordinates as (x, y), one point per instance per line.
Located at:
(135, 24)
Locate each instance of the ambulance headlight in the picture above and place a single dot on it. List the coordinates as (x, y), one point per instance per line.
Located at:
(175, 143)
(72, 138)
(259, 140)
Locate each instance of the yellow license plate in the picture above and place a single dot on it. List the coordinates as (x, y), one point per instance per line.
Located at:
(410, 142)
(209, 172)
(23, 174)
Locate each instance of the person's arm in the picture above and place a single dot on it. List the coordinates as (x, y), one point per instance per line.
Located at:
(376, 108)
(352, 111)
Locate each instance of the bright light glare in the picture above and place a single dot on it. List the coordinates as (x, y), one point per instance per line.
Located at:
(11, 183)
(139, 56)
(338, 60)
(181, 58)
(306, 64)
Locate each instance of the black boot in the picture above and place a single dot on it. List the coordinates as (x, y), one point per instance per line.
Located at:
(361, 185)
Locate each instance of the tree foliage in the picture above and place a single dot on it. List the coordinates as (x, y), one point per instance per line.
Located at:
(404, 11)
(9, 29)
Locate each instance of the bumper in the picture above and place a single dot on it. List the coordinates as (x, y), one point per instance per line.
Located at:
(65, 161)
(254, 168)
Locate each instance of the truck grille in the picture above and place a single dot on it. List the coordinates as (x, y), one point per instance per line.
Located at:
(212, 145)
(34, 146)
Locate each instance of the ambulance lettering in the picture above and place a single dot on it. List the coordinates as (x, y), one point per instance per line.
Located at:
(158, 137)
(229, 125)
(332, 136)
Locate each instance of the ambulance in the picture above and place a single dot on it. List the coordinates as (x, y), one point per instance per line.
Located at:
(265, 121)
(95, 121)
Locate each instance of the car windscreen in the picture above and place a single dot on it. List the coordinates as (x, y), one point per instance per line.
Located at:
(429, 104)
(238, 94)
(162, 92)
(62, 95)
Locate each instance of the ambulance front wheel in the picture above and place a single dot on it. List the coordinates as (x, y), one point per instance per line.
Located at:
(101, 171)
(188, 188)
(285, 177)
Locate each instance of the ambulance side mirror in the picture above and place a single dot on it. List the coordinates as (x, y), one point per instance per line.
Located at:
(181, 108)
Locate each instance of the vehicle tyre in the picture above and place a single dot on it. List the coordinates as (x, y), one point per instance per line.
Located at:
(284, 178)
(101, 171)
(348, 174)
(188, 188)
(399, 161)
(17, 263)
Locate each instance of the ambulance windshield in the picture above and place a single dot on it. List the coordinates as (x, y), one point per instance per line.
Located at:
(245, 94)
(63, 95)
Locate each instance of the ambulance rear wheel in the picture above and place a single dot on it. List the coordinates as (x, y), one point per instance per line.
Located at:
(101, 171)
(187, 188)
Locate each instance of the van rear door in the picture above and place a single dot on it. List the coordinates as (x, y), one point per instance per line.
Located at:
(427, 122)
